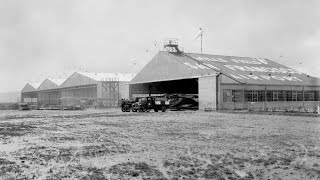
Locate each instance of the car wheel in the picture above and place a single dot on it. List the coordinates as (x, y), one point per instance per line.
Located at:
(163, 109)
(128, 109)
(141, 109)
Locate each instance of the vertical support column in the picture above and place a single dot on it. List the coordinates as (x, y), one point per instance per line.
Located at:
(130, 91)
(118, 97)
(59, 97)
(303, 104)
(217, 88)
(265, 97)
(149, 89)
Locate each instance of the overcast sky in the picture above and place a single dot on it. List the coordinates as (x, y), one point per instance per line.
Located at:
(40, 38)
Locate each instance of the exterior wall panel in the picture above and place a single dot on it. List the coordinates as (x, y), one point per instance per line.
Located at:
(124, 90)
(78, 95)
(207, 92)
(30, 97)
(267, 105)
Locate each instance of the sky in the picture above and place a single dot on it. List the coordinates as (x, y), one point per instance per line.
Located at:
(45, 38)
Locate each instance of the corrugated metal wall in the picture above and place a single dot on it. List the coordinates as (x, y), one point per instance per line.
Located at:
(82, 95)
(30, 97)
(49, 97)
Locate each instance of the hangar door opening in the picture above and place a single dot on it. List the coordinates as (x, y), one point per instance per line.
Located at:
(183, 86)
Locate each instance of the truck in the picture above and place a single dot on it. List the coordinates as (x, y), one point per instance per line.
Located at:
(23, 106)
(126, 105)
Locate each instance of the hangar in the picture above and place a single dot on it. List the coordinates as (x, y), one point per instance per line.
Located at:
(29, 93)
(48, 92)
(99, 89)
(227, 82)
(81, 88)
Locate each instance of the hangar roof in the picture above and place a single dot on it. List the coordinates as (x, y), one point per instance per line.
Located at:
(166, 66)
(50, 84)
(57, 81)
(35, 84)
(30, 87)
(85, 78)
(106, 76)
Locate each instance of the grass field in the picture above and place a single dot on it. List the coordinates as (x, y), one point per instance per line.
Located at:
(109, 144)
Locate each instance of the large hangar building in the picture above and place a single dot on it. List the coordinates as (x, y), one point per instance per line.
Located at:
(227, 82)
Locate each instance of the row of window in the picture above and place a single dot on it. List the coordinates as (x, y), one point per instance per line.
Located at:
(269, 95)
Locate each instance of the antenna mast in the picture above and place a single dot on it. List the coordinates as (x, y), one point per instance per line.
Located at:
(201, 42)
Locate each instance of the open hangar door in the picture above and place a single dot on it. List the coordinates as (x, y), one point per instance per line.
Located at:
(183, 86)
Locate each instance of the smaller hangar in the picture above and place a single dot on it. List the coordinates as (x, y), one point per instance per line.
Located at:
(99, 89)
(81, 88)
(29, 93)
(227, 82)
(49, 92)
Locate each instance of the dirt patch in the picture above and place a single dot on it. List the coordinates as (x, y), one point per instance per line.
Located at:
(187, 167)
(9, 169)
(10, 129)
(76, 172)
(139, 170)
(104, 149)
(66, 115)
(5, 162)
(61, 138)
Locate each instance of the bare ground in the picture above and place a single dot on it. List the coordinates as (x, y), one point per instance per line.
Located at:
(109, 144)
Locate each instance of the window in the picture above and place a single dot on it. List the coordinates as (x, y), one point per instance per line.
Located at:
(269, 96)
(316, 96)
(294, 95)
(309, 95)
(299, 96)
(275, 96)
(306, 95)
(254, 96)
(248, 96)
(227, 95)
(289, 96)
(236, 96)
(261, 96)
(281, 96)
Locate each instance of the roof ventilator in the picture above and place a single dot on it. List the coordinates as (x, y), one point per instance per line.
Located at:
(172, 45)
